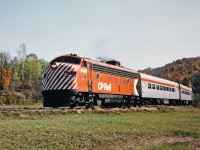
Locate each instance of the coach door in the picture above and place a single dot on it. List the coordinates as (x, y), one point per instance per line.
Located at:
(139, 86)
(179, 90)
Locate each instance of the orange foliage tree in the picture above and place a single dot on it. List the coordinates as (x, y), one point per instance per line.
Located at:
(6, 77)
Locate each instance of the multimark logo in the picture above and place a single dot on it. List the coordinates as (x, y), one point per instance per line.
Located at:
(104, 86)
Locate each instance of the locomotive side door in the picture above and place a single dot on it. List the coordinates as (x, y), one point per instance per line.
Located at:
(86, 80)
(89, 76)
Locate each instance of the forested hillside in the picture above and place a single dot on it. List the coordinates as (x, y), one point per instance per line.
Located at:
(185, 71)
(20, 77)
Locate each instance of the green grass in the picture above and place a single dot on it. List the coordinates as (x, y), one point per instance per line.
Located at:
(99, 131)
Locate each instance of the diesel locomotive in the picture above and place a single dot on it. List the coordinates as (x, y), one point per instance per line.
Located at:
(70, 80)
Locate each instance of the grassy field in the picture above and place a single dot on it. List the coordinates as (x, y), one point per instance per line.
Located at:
(165, 129)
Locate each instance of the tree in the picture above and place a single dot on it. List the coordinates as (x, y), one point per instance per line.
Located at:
(4, 62)
(32, 56)
(196, 83)
(5, 58)
(22, 56)
(6, 77)
(16, 76)
(43, 62)
(32, 75)
(32, 71)
(16, 69)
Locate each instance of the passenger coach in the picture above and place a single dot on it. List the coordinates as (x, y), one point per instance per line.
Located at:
(158, 91)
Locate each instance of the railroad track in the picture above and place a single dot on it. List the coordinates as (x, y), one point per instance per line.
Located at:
(79, 109)
(65, 110)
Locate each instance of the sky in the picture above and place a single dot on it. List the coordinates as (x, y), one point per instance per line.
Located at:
(138, 33)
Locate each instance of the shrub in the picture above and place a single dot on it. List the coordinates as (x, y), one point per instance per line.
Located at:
(196, 101)
(1, 100)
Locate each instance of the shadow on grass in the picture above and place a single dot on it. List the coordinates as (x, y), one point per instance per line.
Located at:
(185, 133)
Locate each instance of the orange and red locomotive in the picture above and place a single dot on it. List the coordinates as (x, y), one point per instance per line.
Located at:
(70, 80)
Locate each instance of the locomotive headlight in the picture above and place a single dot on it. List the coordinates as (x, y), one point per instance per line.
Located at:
(71, 73)
(54, 65)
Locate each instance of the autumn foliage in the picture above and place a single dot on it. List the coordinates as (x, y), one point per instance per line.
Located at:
(185, 71)
(6, 77)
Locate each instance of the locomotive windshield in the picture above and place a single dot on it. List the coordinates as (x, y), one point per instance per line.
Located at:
(67, 59)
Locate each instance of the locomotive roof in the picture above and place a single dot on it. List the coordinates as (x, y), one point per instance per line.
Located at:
(99, 62)
(108, 65)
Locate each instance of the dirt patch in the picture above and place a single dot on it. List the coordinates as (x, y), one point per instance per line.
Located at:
(142, 143)
(148, 142)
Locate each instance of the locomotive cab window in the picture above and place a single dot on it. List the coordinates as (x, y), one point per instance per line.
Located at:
(88, 66)
(84, 64)
(66, 59)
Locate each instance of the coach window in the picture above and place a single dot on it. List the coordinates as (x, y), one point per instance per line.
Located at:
(157, 87)
(149, 85)
(161, 88)
(97, 76)
(164, 88)
(173, 90)
(170, 89)
(167, 89)
(153, 86)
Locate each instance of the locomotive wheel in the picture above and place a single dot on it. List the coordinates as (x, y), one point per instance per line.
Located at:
(71, 106)
(72, 102)
(89, 104)
(123, 103)
(130, 104)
